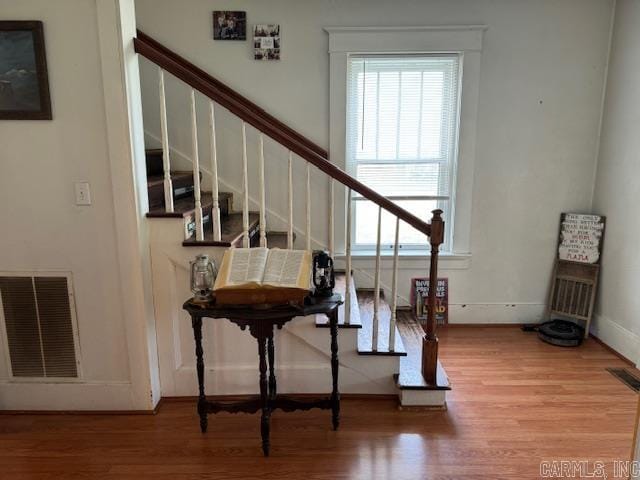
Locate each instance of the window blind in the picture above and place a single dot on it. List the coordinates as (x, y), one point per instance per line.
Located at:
(402, 129)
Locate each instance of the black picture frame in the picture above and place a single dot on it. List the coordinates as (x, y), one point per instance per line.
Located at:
(24, 79)
(229, 25)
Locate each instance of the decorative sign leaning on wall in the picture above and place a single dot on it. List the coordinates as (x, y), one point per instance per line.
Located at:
(580, 237)
(420, 294)
(577, 268)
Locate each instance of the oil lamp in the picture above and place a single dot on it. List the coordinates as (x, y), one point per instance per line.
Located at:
(203, 274)
(323, 274)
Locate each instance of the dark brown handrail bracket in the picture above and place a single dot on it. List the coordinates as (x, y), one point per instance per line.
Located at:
(265, 123)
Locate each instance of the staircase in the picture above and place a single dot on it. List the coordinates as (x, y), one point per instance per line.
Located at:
(402, 365)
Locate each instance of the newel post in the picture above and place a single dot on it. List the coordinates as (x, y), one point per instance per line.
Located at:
(430, 340)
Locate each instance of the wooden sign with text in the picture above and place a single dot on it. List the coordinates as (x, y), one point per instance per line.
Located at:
(420, 293)
(581, 237)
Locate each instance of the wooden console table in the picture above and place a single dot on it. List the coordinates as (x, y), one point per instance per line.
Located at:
(261, 320)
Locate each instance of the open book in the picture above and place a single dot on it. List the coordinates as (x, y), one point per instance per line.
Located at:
(260, 275)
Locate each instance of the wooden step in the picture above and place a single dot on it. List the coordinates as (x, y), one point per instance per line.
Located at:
(182, 207)
(365, 338)
(154, 162)
(323, 322)
(410, 376)
(231, 232)
(185, 206)
(278, 239)
(182, 183)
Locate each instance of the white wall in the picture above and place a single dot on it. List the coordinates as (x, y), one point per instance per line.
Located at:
(542, 73)
(43, 229)
(617, 189)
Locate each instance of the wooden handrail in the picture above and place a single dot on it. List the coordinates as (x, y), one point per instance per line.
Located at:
(254, 115)
(230, 92)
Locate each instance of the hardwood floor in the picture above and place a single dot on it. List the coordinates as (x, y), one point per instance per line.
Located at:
(515, 401)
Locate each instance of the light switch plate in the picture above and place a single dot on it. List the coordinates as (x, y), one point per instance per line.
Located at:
(83, 193)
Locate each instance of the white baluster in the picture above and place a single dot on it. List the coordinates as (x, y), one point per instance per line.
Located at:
(263, 215)
(332, 206)
(347, 292)
(166, 162)
(245, 189)
(308, 229)
(394, 289)
(196, 170)
(215, 213)
(376, 293)
(290, 227)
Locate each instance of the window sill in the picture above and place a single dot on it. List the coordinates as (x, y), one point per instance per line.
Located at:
(409, 259)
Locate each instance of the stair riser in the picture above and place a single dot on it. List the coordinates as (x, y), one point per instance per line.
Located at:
(158, 192)
(182, 187)
(190, 222)
(254, 238)
(154, 163)
(190, 228)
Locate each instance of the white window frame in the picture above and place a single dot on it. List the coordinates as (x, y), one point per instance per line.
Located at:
(466, 40)
(351, 168)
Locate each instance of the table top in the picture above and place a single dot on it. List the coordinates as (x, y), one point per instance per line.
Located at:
(312, 305)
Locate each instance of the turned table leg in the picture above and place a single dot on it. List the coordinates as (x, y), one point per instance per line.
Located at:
(272, 372)
(335, 394)
(196, 322)
(264, 395)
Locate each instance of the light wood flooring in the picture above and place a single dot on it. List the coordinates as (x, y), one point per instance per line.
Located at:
(515, 401)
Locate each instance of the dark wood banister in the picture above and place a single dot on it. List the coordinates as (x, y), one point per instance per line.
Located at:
(262, 121)
(249, 112)
(231, 93)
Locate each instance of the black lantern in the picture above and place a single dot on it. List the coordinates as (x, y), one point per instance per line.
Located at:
(323, 275)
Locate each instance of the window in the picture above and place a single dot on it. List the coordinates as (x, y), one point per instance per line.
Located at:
(402, 131)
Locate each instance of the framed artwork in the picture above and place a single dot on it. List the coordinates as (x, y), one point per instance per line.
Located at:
(229, 25)
(266, 42)
(24, 83)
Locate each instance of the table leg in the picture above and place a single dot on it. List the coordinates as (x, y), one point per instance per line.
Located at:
(264, 395)
(272, 373)
(335, 394)
(196, 322)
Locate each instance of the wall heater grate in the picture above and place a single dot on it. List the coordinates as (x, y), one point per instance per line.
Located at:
(38, 325)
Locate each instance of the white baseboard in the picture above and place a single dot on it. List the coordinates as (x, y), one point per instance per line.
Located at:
(617, 337)
(100, 396)
(498, 313)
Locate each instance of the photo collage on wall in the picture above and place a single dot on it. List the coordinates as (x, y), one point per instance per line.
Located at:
(232, 25)
(266, 42)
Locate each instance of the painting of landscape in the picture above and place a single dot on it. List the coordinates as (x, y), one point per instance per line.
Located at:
(24, 92)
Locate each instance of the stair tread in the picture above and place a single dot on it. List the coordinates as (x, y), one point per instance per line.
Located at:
(158, 179)
(231, 229)
(277, 239)
(410, 376)
(365, 335)
(412, 379)
(182, 207)
(323, 322)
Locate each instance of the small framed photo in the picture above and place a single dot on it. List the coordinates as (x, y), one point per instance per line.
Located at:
(229, 25)
(266, 42)
(24, 83)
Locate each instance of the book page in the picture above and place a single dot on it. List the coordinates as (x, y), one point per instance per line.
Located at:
(288, 268)
(246, 266)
